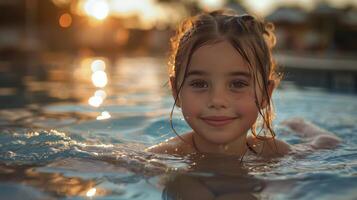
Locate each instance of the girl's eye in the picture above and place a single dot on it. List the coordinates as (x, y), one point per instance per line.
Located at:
(238, 84)
(199, 84)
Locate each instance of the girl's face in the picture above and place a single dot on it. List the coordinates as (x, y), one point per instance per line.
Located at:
(218, 96)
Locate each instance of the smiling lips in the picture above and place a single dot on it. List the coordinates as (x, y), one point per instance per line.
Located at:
(218, 120)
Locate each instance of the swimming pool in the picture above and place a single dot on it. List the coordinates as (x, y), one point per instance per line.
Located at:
(88, 144)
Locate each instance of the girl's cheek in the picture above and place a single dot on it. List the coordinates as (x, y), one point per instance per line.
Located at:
(191, 103)
(190, 111)
(189, 95)
(245, 96)
(248, 98)
(245, 104)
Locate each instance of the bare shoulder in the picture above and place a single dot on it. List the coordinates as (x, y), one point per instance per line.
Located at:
(174, 145)
(269, 148)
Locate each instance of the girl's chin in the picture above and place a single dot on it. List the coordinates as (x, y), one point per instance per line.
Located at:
(220, 141)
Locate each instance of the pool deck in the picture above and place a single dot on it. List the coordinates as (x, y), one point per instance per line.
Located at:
(333, 73)
(317, 62)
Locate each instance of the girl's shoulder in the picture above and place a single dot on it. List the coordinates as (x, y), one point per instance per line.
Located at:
(268, 147)
(176, 145)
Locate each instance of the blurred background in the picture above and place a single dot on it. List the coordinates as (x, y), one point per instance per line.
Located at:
(83, 91)
(84, 50)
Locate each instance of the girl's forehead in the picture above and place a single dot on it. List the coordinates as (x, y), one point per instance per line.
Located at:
(217, 56)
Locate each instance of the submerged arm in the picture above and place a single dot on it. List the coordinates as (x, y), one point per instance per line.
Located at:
(315, 136)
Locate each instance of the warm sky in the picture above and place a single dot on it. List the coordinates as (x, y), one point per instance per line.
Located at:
(263, 7)
(151, 14)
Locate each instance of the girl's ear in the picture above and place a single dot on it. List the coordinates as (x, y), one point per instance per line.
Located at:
(174, 91)
(271, 87)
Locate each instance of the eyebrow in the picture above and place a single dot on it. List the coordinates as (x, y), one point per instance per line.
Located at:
(196, 72)
(240, 73)
(234, 73)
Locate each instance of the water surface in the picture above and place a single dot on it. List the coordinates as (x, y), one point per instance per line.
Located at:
(71, 139)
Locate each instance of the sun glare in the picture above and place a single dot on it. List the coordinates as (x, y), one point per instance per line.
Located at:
(131, 7)
(99, 9)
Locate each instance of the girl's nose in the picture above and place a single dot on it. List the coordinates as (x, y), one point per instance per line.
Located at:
(217, 98)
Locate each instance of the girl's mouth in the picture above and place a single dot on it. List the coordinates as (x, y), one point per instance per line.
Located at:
(218, 120)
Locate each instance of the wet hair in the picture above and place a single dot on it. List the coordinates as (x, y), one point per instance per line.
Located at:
(251, 37)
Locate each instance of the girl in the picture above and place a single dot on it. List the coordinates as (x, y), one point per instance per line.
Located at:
(222, 76)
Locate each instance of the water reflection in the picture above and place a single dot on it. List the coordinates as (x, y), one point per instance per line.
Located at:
(99, 79)
(56, 184)
(95, 101)
(104, 115)
(100, 93)
(95, 69)
(141, 75)
(196, 186)
(98, 65)
(99, 76)
(91, 192)
(213, 178)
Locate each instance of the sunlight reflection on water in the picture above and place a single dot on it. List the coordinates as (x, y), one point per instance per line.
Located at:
(73, 149)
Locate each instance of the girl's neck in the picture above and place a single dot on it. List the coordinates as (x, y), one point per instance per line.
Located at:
(237, 147)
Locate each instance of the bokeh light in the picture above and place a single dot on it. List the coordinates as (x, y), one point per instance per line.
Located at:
(95, 101)
(98, 65)
(99, 9)
(100, 93)
(98, 98)
(65, 20)
(99, 79)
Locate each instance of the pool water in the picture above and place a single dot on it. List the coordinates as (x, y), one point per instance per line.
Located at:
(73, 140)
